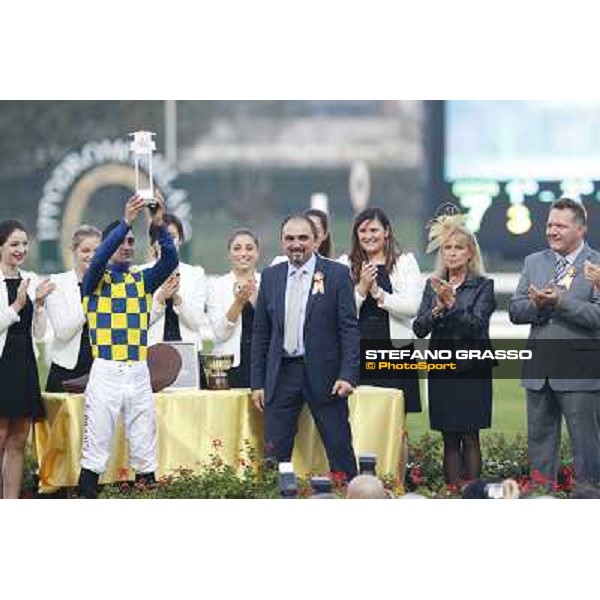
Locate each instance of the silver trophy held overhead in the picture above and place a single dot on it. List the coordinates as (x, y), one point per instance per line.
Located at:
(142, 147)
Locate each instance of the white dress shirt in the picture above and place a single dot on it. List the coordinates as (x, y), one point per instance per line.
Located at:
(308, 271)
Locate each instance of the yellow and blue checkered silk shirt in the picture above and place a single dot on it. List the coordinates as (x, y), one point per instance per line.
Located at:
(117, 301)
(118, 313)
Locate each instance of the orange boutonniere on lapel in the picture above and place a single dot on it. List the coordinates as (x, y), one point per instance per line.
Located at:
(318, 283)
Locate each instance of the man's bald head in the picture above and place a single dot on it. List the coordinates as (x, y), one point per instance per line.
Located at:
(366, 487)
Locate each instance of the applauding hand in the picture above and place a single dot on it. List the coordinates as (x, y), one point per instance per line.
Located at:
(446, 296)
(44, 288)
(592, 273)
(245, 292)
(368, 278)
(21, 298)
(549, 296)
(169, 289)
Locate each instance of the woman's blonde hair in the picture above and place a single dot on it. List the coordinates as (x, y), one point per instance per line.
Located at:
(475, 264)
(83, 232)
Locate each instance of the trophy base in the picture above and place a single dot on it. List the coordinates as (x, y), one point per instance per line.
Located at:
(218, 381)
(146, 194)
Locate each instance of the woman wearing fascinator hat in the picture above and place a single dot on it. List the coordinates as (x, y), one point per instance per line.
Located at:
(456, 307)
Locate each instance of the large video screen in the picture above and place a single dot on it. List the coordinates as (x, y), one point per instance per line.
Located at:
(506, 161)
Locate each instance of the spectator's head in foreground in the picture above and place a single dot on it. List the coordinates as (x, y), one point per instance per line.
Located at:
(366, 487)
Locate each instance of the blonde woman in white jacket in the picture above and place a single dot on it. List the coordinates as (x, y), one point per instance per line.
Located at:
(231, 301)
(22, 297)
(71, 352)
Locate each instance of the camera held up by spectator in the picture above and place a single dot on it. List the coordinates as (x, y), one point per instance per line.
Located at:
(322, 488)
(367, 463)
(288, 484)
(480, 489)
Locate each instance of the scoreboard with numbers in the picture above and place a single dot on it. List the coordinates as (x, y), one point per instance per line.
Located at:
(504, 162)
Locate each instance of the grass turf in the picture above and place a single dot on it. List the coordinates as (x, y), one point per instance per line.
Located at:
(508, 411)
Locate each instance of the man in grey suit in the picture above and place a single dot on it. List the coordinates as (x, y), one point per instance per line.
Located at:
(558, 301)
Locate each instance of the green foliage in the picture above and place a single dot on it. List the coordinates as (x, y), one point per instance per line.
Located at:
(217, 480)
(30, 476)
(508, 415)
(503, 457)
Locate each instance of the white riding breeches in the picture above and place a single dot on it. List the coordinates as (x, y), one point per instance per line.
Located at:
(115, 388)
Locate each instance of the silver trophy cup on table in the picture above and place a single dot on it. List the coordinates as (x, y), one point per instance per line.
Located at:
(217, 366)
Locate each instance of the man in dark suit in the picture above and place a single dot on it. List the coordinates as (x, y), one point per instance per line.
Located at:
(563, 309)
(305, 347)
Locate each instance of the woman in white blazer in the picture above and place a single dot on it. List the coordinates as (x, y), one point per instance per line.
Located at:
(71, 352)
(22, 297)
(179, 305)
(231, 301)
(387, 292)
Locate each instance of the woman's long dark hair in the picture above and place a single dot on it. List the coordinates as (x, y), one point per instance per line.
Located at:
(7, 227)
(326, 247)
(358, 255)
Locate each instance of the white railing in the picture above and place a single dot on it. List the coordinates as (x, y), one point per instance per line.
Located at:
(505, 283)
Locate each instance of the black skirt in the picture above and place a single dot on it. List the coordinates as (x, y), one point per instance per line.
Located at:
(20, 396)
(458, 404)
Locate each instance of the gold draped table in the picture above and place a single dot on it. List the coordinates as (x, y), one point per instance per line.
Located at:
(194, 425)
